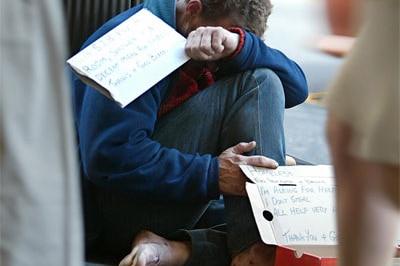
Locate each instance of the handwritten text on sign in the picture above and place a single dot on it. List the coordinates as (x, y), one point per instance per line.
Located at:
(298, 203)
(132, 57)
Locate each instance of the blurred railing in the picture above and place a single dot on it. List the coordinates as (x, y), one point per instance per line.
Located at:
(85, 16)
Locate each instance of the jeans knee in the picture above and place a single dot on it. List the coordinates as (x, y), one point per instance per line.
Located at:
(269, 83)
(267, 76)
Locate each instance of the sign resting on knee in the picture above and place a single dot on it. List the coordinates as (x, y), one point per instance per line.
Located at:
(131, 58)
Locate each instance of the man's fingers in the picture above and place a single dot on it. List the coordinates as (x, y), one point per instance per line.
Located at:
(217, 42)
(260, 161)
(243, 147)
(206, 43)
(255, 160)
(198, 44)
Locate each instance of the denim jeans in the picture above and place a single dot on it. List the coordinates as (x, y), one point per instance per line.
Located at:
(242, 107)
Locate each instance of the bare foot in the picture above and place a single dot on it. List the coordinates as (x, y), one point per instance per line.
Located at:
(259, 254)
(149, 249)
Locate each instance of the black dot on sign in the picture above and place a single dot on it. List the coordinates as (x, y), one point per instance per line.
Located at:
(268, 215)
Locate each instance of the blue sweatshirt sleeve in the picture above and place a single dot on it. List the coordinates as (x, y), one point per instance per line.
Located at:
(118, 154)
(255, 54)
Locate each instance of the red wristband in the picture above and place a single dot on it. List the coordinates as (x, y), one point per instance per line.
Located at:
(241, 41)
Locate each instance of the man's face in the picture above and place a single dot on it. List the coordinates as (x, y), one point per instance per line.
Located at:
(222, 22)
(190, 17)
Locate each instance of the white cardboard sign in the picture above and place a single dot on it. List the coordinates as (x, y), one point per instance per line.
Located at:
(131, 58)
(294, 205)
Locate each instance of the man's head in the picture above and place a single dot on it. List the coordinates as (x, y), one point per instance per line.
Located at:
(251, 15)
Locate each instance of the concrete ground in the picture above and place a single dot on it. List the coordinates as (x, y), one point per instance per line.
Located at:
(293, 27)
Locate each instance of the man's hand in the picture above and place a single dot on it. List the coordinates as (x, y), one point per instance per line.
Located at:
(211, 43)
(231, 178)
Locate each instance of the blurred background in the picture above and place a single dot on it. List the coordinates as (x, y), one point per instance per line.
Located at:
(296, 27)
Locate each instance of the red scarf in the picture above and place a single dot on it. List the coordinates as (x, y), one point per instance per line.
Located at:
(194, 77)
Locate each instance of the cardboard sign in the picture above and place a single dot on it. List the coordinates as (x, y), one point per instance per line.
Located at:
(294, 205)
(295, 209)
(131, 58)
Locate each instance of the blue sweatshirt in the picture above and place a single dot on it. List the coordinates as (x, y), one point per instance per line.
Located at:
(116, 149)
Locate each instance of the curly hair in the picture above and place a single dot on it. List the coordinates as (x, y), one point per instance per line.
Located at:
(251, 15)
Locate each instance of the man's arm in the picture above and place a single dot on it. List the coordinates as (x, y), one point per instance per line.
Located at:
(217, 44)
(118, 154)
(255, 54)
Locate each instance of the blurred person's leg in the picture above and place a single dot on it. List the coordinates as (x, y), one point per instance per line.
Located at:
(40, 199)
(363, 133)
(368, 202)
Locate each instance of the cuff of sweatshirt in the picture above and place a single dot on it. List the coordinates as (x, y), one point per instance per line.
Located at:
(241, 41)
(213, 179)
(205, 244)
